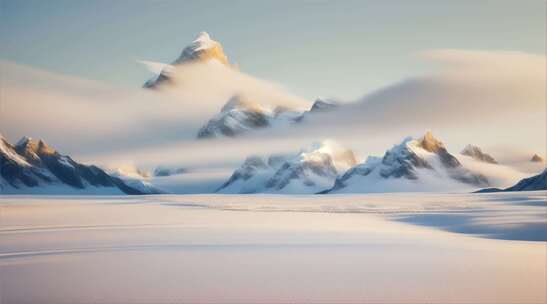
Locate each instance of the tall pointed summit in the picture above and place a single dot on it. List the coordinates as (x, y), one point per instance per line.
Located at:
(203, 48)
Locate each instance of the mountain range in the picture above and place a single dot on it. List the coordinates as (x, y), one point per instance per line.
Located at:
(423, 164)
(31, 166)
(412, 165)
(415, 164)
(309, 171)
(240, 115)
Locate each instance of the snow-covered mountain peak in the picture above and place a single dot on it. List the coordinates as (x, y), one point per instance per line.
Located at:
(203, 41)
(238, 115)
(25, 140)
(203, 48)
(410, 148)
(342, 158)
(402, 159)
(429, 143)
(432, 145)
(9, 154)
(412, 165)
(31, 147)
(311, 170)
(241, 114)
(34, 167)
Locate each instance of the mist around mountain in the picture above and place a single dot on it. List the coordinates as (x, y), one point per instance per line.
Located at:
(422, 164)
(203, 95)
(476, 153)
(533, 183)
(415, 165)
(311, 170)
(537, 159)
(243, 111)
(240, 115)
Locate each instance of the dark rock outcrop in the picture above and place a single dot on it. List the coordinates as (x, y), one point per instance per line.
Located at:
(32, 163)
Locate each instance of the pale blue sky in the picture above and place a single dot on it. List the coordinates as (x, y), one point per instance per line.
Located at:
(315, 48)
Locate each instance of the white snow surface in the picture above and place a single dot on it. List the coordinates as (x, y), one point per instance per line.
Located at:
(397, 248)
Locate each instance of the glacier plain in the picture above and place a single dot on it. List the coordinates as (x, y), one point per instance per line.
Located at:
(354, 248)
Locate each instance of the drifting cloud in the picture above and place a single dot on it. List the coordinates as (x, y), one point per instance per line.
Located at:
(217, 83)
(478, 96)
(157, 67)
(81, 116)
(487, 98)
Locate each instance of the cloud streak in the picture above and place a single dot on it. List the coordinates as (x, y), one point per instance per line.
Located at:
(81, 116)
(487, 98)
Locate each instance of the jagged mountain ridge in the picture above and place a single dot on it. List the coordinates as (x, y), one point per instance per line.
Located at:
(33, 164)
(240, 115)
(405, 167)
(309, 171)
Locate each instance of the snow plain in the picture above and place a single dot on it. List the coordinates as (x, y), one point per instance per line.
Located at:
(381, 248)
